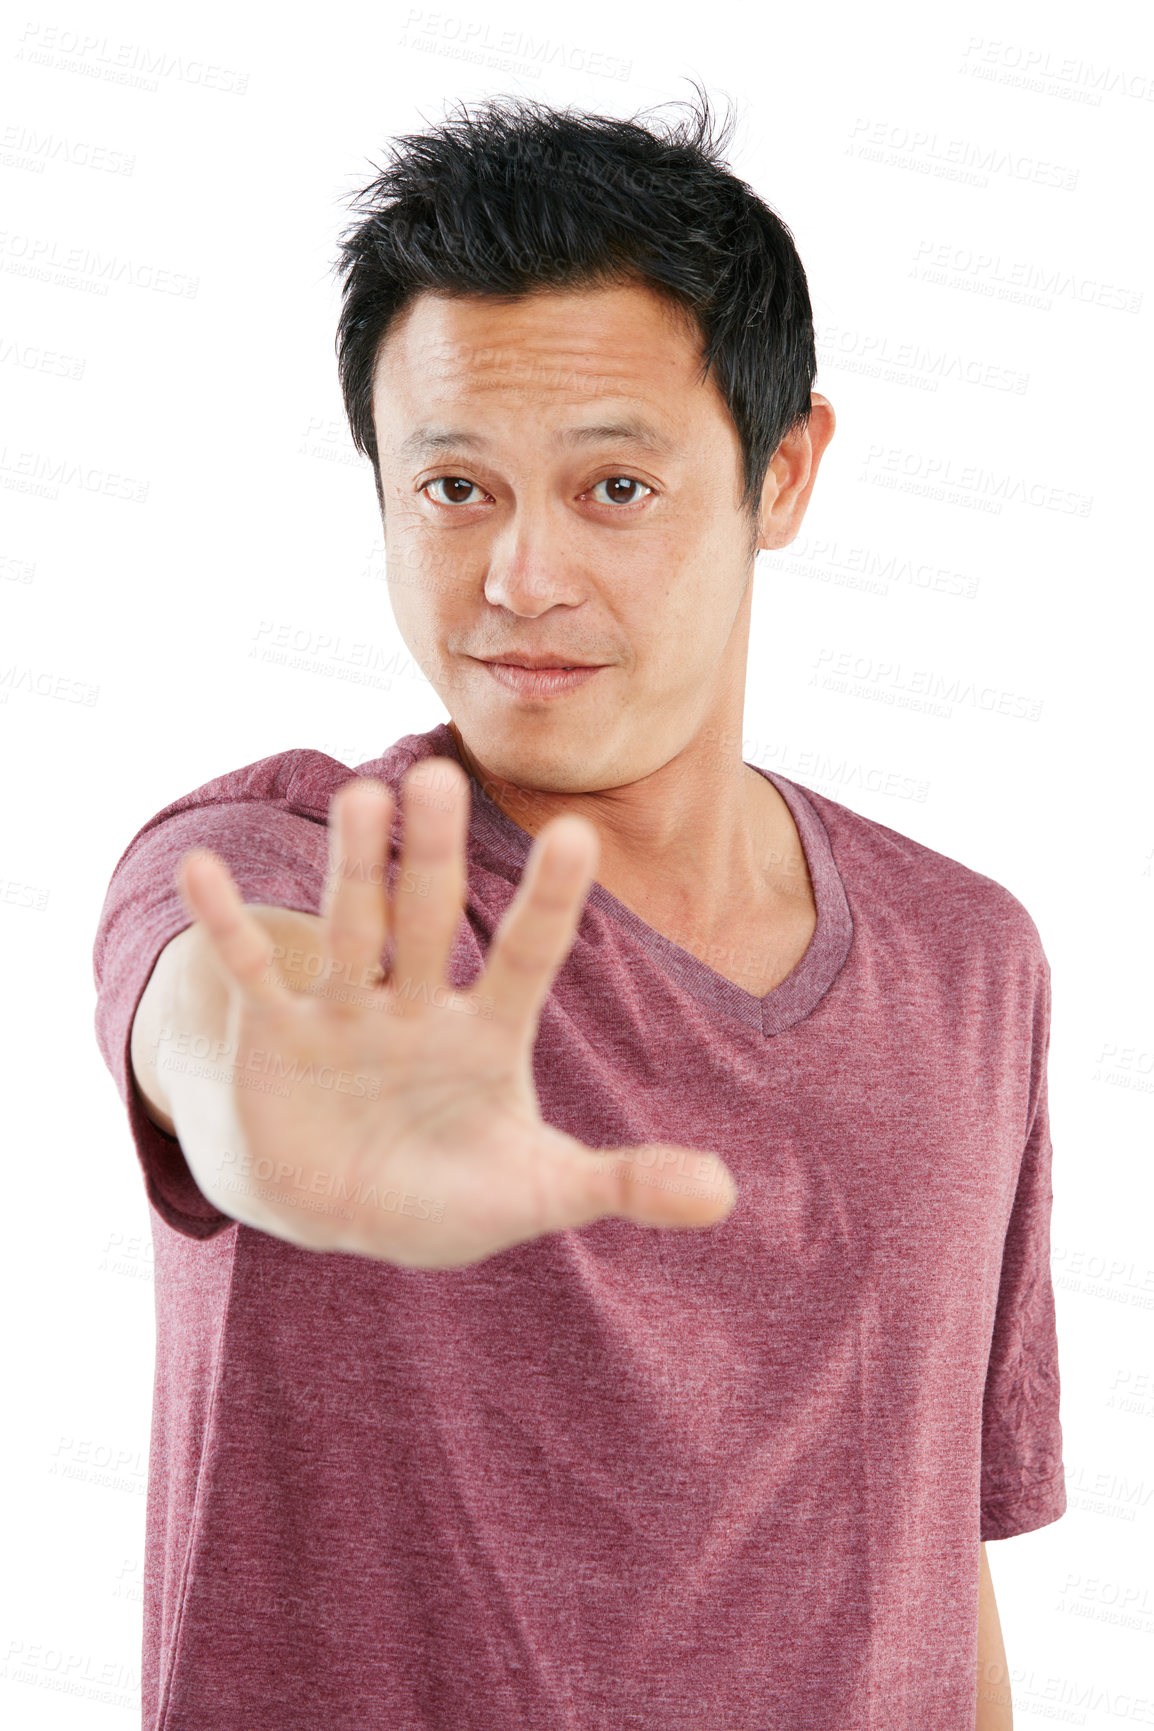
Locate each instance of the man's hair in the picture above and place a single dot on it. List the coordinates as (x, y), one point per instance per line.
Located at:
(516, 196)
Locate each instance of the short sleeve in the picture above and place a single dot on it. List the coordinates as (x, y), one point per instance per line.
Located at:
(1023, 1483)
(272, 834)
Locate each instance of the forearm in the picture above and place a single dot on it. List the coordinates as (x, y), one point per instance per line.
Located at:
(994, 1710)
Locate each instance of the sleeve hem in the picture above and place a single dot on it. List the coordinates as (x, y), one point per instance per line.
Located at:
(1005, 1517)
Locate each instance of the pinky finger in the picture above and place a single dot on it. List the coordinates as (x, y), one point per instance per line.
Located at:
(244, 948)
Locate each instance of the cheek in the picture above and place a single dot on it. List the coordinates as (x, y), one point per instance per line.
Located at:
(416, 609)
(680, 611)
(424, 563)
(403, 537)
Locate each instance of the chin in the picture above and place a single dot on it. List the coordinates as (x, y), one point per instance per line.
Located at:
(548, 769)
(564, 762)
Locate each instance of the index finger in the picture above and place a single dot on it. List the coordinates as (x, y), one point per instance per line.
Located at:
(243, 946)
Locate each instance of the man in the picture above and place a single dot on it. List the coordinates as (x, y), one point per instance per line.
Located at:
(601, 1189)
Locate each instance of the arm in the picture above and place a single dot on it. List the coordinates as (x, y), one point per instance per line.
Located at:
(994, 1709)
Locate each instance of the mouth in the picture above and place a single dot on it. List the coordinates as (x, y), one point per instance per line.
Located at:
(540, 679)
(535, 663)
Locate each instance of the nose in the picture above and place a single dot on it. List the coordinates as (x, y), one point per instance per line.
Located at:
(530, 570)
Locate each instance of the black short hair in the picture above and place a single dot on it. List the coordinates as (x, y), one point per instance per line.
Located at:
(516, 196)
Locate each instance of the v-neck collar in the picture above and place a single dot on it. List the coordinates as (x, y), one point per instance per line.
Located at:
(793, 998)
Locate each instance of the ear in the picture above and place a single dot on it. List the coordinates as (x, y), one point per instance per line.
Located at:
(791, 474)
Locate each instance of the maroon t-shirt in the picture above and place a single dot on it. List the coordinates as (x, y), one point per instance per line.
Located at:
(622, 1478)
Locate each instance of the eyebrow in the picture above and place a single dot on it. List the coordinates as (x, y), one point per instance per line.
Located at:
(639, 433)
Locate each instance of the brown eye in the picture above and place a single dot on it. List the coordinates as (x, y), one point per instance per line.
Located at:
(615, 483)
(450, 482)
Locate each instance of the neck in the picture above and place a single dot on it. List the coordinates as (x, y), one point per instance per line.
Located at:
(697, 838)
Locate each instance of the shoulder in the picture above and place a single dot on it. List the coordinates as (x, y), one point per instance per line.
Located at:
(288, 791)
(895, 877)
(302, 781)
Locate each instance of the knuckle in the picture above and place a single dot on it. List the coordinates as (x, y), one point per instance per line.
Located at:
(522, 958)
(550, 900)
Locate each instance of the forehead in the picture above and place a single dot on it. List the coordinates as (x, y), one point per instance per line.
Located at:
(551, 349)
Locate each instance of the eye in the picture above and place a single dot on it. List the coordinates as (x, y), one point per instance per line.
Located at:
(613, 482)
(455, 485)
(451, 481)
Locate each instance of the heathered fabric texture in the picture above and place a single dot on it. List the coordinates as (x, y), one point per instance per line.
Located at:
(622, 1479)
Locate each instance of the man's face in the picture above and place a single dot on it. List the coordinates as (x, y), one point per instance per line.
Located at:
(515, 534)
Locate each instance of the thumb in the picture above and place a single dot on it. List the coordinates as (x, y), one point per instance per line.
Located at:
(662, 1184)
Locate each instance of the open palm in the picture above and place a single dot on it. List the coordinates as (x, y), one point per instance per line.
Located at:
(396, 1117)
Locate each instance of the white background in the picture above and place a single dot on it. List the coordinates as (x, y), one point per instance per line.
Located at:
(969, 192)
